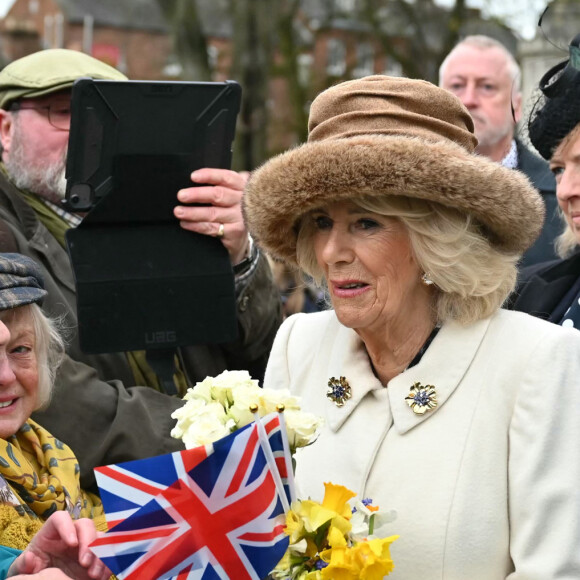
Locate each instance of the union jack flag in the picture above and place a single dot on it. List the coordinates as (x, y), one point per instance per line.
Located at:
(126, 487)
(220, 517)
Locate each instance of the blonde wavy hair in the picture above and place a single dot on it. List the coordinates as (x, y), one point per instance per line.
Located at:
(566, 243)
(50, 351)
(472, 277)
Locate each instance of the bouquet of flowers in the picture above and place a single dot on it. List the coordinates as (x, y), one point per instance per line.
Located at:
(327, 540)
(330, 540)
(217, 406)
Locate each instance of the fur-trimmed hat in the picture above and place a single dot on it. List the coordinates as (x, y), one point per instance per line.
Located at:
(380, 136)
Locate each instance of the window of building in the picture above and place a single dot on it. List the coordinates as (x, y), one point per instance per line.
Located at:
(365, 60)
(213, 54)
(48, 31)
(336, 57)
(304, 68)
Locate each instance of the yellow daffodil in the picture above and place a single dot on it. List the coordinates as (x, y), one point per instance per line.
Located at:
(325, 534)
(336, 498)
(374, 558)
(294, 525)
(313, 575)
(336, 538)
(341, 565)
(311, 547)
(334, 509)
(315, 515)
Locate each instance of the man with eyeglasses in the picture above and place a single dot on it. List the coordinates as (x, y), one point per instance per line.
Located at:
(486, 78)
(97, 408)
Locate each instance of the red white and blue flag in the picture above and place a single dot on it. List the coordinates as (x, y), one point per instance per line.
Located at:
(208, 513)
(127, 487)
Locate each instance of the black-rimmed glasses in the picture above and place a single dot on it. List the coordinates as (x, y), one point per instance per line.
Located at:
(58, 113)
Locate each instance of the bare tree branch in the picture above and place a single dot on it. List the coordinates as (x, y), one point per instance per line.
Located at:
(189, 42)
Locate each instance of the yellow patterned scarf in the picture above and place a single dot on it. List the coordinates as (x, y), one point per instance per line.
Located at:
(40, 475)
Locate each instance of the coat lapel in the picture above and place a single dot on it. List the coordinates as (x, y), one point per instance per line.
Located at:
(443, 365)
(349, 359)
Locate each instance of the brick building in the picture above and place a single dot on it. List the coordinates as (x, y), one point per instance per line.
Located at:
(132, 36)
(332, 41)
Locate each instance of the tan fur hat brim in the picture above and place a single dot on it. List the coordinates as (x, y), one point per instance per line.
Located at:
(290, 185)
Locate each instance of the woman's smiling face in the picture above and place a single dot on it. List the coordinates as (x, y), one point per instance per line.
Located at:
(18, 369)
(367, 260)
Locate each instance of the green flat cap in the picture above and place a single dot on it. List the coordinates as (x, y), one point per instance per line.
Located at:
(49, 71)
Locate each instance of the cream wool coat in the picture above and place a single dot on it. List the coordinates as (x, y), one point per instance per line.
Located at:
(487, 485)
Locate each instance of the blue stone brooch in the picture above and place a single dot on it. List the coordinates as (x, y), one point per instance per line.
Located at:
(339, 391)
(422, 398)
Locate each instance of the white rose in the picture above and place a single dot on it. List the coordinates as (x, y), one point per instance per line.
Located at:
(197, 415)
(185, 414)
(206, 429)
(245, 396)
(200, 391)
(219, 388)
(271, 398)
(233, 379)
(302, 427)
(222, 395)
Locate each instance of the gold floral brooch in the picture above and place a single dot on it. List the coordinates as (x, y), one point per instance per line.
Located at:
(422, 398)
(339, 391)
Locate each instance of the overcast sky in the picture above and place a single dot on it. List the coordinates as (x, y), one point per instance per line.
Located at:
(4, 6)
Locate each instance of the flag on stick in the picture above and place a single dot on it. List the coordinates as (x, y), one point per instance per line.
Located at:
(221, 516)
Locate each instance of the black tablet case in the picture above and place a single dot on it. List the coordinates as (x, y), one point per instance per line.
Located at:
(142, 281)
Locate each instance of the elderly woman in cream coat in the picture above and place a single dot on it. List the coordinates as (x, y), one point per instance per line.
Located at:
(458, 415)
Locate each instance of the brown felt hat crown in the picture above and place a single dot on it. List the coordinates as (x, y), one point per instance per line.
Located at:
(380, 136)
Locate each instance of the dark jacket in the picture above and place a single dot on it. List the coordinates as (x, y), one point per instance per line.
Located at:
(97, 409)
(546, 290)
(543, 180)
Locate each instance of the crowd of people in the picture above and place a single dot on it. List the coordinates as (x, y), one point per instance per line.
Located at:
(413, 245)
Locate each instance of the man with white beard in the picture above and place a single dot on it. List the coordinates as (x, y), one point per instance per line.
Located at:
(486, 77)
(39, 165)
(97, 407)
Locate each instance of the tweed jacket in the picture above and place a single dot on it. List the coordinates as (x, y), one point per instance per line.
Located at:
(539, 174)
(485, 486)
(93, 410)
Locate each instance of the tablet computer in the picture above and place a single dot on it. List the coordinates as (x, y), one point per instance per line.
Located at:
(142, 281)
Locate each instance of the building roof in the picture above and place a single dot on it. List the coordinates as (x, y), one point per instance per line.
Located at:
(216, 17)
(136, 14)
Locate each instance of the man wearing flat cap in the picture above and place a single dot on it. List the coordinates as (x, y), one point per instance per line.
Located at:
(121, 421)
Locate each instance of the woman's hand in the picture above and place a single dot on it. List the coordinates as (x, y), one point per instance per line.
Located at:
(61, 544)
(47, 574)
(223, 192)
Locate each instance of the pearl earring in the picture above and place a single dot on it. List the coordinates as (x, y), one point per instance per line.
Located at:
(426, 280)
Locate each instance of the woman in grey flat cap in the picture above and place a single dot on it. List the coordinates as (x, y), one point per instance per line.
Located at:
(438, 404)
(39, 475)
